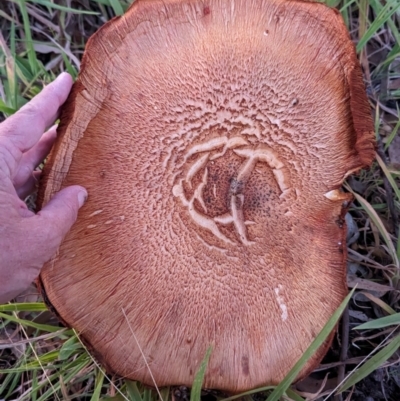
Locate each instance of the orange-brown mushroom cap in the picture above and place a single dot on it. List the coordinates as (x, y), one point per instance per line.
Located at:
(213, 137)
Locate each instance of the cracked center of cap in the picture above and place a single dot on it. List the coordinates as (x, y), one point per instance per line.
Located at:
(225, 183)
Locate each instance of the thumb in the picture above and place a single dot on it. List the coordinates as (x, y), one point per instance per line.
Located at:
(61, 211)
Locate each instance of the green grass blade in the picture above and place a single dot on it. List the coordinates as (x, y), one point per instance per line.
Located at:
(34, 386)
(380, 323)
(74, 366)
(394, 131)
(195, 393)
(16, 379)
(55, 6)
(124, 4)
(346, 11)
(319, 340)
(35, 364)
(246, 393)
(12, 78)
(376, 5)
(7, 384)
(133, 391)
(389, 177)
(5, 109)
(11, 381)
(24, 307)
(332, 3)
(394, 53)
(378, 223)
(69, 67)
(147, 394)
(23, 322)
(8, 61)
(293, 395)
(98, 385)
(117, 7)
(165, 393)
(398, 248)
(33, 62)
(380, 303)
(372, 364)
(49, 394)
(385, 13)
(23, 70)
(70, 347)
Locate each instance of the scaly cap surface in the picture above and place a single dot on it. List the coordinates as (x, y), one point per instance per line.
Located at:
(213, 138)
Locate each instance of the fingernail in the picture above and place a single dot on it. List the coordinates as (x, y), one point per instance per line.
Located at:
(82, 196)
(64, 75)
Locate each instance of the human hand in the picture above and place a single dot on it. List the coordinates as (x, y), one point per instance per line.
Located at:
(28, 240)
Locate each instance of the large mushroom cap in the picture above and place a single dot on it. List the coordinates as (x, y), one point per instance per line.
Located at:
(213, 138)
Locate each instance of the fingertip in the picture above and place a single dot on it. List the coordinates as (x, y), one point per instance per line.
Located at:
(48, 138)
(64, 76)
(77, 191)
(82, 196)
(52, 130)
(61, 211)
(62, 86)
(26, 127)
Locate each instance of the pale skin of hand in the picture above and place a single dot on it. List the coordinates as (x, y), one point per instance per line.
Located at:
(28, 240)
